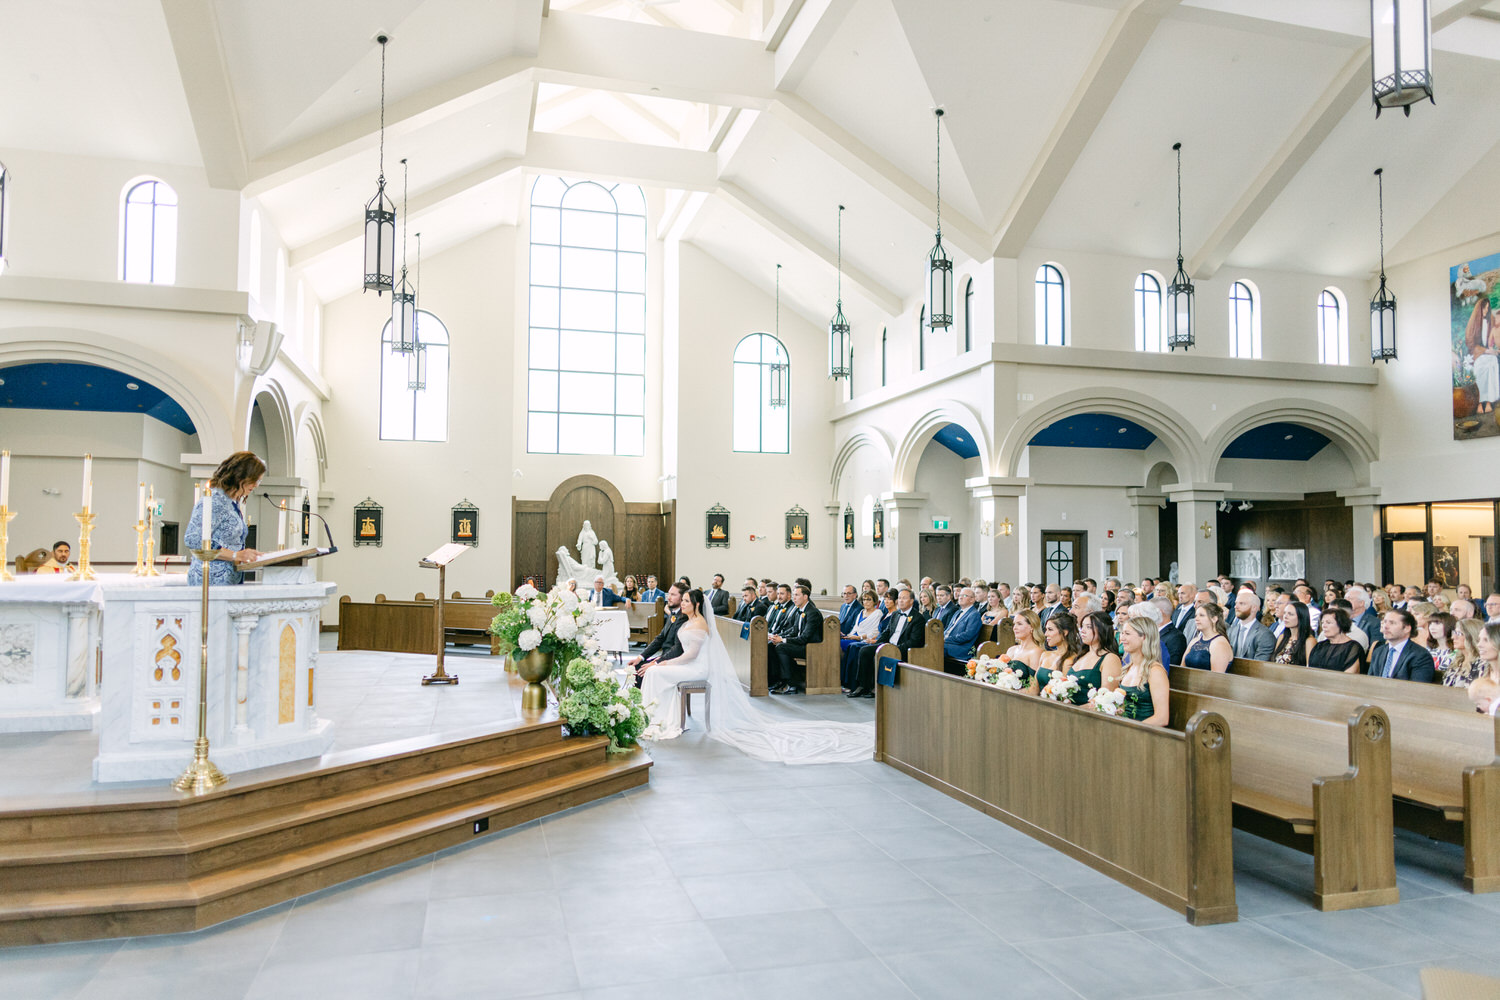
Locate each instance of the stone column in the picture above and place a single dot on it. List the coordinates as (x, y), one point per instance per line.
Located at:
(1197, 530)
(1363, 501)
(902, 533)
(79, 648)
(244, 624)
(836, 536)
(1146, 534)
(1000, 531)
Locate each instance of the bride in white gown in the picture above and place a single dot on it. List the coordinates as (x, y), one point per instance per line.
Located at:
(734, 718)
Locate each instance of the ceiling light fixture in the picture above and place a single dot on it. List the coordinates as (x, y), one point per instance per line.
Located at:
(403, 297)
(380, 212)
(776, 397)
(1383, 305)
(1400, 54)
(838, 327)
(1180, 291)
(939, 267)
(129, 385)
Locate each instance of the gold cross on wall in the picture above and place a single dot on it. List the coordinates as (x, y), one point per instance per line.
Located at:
(1207, 529)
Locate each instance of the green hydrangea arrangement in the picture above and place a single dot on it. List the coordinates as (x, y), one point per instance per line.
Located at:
(596, 704)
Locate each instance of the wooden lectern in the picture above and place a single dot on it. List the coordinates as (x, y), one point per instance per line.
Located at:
(285, 565)
(439, 561)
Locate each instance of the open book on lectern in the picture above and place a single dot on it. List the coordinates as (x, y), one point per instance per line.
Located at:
(444, 555)
(281, 556)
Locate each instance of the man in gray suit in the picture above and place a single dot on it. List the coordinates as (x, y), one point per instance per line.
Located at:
(1251, 639)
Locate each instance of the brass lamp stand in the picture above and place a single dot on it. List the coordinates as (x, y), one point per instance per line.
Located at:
(201, 775)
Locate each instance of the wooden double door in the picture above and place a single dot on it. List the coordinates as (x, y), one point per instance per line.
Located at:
(641, 534)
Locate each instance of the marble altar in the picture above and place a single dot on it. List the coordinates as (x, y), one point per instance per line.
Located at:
(49, 631)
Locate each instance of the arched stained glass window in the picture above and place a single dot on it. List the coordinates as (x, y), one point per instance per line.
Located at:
(1244, 321)
(1333, 328)
(587, 349)
(969, 315)
(759, 426)
(1148, 313)
(148, 234)
(415, 414)
(1051, 306)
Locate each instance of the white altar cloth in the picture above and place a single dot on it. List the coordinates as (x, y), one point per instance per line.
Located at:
(613, 631)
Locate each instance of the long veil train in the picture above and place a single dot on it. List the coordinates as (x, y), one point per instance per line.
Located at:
(737, 721)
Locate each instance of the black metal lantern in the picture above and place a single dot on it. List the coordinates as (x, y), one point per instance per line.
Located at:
(4, 185)
(1400, 54)
(939, 267)
(416, 368)
(777, 393)
(404, 296)
(380, 212)
(1180, 291)
(1383, 305)
(838, 327)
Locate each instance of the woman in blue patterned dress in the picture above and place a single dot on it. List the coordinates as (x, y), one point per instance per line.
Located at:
(233, 481)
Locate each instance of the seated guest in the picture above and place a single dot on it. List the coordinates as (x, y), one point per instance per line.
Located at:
(1144, 680)
(652, 592)
(751, 605)
(1399, 656)
(1173, 642)
(1462, 609)
(602, 595)
(1097, 633)
(1441, 627)
(945, 608)
(994, 609)
(717, 597)
(1487, 643)
(849, 611)
(629, 590)
(960, 634)
(927, 602)
(666, 645)
(58, 561)
(1492, 607)
(1020, 599)
(1210, 648)
(864, 629)
(1297, 640)
(881, 586)
(904, 627)
(1380, 603)
(780, 610)
(1004, 589)
(1026, 654)
(1467, 665)
(1064, 654)
(803, 627)
(1251, 639)
(1336, 648)
(868, 585)
(1441, 603)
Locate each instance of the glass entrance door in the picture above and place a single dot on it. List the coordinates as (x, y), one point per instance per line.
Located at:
(1064, 557)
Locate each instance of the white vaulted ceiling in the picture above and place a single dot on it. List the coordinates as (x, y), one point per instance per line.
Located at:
(757, 118)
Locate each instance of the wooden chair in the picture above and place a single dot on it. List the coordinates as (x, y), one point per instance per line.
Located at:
(685, 692)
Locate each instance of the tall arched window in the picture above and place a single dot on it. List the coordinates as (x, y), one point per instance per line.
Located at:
(587, 351)
(4, 200)
(148, 234)
(408, 413)
(1051, 306)
(1333, 328)
(882, 356)
(1148, 313)
(922, 339)
(969, 315)
(759, 426)
(1244, 321)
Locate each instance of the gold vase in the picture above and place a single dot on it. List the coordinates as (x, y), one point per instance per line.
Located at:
(534, 667)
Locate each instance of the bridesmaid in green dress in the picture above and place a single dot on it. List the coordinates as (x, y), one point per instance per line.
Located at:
(1097, 632)
(1064, 654)
(1147, 691)
(1027, 651)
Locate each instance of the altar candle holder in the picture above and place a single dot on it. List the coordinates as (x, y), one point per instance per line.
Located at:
(140, 549)
(151, 535)
(6, 514)
(201, 775)
(85, 519)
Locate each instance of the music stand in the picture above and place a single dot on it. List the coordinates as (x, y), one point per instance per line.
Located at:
(439, 561)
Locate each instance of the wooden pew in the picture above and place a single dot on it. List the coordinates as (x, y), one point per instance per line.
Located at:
(1376, 690)
(466, 622)
(822, 660)
(390, 626)
(930, 653)
(656, 620)
(1445, 764)
(1319, 785)
(740, 650)
(1148, 807)
(759, 675)
(990, 649)
(1004, 635)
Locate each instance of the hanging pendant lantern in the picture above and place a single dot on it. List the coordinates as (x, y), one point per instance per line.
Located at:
(939, 267)
(1180, 291)
(404, 297)
(380, 212)
(1400, 54)
(776, 397)
(838, 328)
(416, 361)
(1383, 305)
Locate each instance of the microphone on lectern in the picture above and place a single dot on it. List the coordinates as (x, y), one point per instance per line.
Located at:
(327, 532)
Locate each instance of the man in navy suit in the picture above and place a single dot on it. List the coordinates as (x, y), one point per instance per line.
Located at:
(602, 595)
(1398, 657)
(652, 592)
(959, 634)
(849, 610)
(946, 608)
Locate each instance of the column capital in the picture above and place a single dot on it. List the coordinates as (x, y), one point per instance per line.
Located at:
(833, 507)
(1139, 496)
(903, 501)
(996, 487)
(1360, 496)
(1198, 492)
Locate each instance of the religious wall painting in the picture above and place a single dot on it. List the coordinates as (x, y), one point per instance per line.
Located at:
(465, 523)
(1445, 565)
(848, 527)
(306, 519)
(1245, 564)
(1288, 564)
(1474, 308)
(369, 523)
(716, 527)
(796, 528)
(877, 527)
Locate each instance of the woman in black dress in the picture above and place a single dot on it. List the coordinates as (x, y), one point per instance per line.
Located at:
(1296, 639)
(1336, 649)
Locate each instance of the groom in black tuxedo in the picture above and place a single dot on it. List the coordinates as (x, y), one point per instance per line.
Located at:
(802, 627)
(906, 629)
(665, 646)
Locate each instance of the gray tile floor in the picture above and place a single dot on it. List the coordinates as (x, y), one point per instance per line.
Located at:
(727, 877)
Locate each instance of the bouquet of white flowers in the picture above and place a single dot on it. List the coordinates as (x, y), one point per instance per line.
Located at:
(996, 670)
(1107, 702)
(556, 622)
(1061, 687)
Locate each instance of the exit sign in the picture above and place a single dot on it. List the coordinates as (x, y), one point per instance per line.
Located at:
(939, 524)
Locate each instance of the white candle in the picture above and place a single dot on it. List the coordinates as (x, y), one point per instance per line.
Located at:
(88, 480)
(4, 478)
(281, 527)
(197, 494)
(208, 517)
(140, 504)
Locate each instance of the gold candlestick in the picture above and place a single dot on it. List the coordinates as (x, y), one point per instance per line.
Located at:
(5, 518)
(151, 534)
(201, 775)
(140, 549)
(85, 519)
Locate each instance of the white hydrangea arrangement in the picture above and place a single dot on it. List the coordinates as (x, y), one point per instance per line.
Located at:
(556, 622)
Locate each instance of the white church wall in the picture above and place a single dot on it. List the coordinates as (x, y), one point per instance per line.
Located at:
(418, 482)
(1325, 472)
(65, 213)
(866, 475)
(940, 475)
(717, 309)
